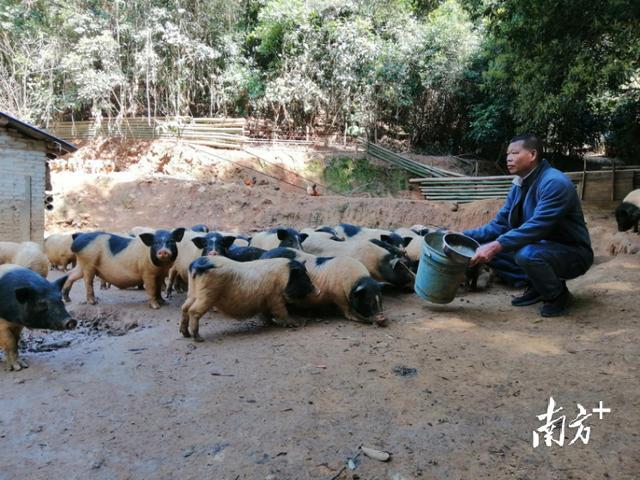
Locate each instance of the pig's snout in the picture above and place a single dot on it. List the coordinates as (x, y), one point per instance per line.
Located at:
(70, 324)
(163, 254)
(380, 319)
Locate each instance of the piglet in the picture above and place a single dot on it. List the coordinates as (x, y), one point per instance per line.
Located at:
(25, 254)
(217, 244)
(278, 237)
(28, 300)
(628, 212)
(57, 247)
(341, 281)
(125, 262)
(243, 289)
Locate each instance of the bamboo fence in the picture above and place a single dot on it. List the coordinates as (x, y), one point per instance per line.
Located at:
(598, 186)
(215, 132)
(229, 133)
(416, 168)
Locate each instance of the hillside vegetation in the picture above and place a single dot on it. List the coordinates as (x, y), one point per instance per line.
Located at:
(450, 76)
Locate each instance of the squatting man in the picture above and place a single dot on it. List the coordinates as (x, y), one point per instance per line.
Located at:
(539, 238)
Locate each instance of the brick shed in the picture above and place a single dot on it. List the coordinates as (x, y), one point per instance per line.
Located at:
(24, 152)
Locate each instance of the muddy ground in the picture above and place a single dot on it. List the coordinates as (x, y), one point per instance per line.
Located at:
(453, 392)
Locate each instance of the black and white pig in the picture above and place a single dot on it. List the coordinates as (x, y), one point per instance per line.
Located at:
(28, 300)
(341, 281)
(178, 276)
(356, 233)
(240, 241)
(628, 212)
(278, 237)
(243, 289)
(323, 231)
(479, 277)
(215, 243)
(414, 248)
(201, 227)
(384, 262)
(135, 231)
(318, 238)
(125, 262)
(194, 244)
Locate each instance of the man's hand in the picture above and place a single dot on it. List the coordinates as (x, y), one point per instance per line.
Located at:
(485, 253)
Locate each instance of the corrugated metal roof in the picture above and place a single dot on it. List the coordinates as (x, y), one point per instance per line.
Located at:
(34, 132)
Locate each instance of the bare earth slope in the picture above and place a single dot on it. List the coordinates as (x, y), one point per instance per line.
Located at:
(122, 200)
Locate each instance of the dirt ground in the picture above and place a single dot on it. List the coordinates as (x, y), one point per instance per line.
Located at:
(453, 391)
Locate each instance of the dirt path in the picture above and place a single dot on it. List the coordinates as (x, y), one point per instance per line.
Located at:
(130, 398)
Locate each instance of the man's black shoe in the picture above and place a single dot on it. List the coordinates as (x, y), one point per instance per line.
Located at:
(521, 284)
(559, 306)
(529, 297)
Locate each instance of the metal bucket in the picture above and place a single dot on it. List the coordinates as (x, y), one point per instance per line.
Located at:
(439, 275)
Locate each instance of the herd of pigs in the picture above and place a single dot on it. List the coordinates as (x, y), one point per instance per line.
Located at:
(267, 274)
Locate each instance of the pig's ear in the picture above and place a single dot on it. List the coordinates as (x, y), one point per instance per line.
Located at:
(397, 264)
(386, 238)
(282, 234)
(24, 294)
(303, 237)
(199, 242)
(59, 283)
(227, 241)
(147, 238)
(385, 284)
(177, 234)
(406, 241)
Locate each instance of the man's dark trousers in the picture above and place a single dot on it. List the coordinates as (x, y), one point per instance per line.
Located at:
(544, 265)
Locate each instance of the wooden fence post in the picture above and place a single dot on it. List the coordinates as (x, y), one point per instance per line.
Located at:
(613, 181)
(584, 178)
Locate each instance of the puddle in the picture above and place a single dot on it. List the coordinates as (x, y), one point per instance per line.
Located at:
(93, 322)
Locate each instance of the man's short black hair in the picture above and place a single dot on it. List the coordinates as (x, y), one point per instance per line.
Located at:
(530, 142)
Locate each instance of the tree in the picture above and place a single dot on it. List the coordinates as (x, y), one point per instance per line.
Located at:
(549, 62)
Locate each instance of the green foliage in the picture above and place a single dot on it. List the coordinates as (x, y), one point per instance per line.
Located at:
(358, 175)
(452, 75)
(547, 65)
(438, 114)
(622, 112)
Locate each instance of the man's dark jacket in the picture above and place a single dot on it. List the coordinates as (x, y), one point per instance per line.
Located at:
(551, 211)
